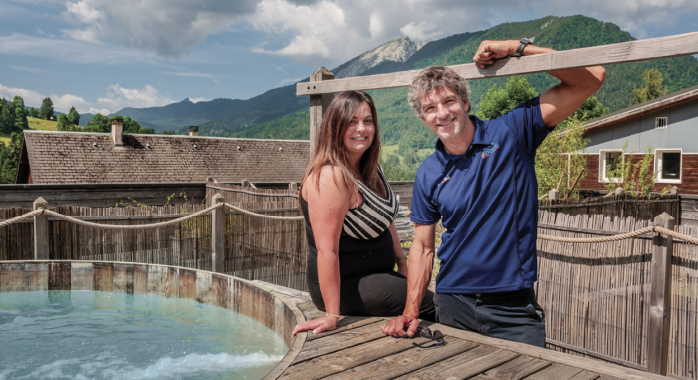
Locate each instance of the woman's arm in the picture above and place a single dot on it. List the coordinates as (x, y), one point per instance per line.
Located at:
(400, 257)
(327, 209)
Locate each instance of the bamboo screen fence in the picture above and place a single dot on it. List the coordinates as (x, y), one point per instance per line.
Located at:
(596, 295)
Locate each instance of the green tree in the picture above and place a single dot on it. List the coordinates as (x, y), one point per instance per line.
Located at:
(132, 126)
(561, 158)
(7, 122)
(9, 157)
(65, 124)
(99, 124)
(497, 101)
(652, 86)
(46, 111)
(74, 116)
(20, 113)
(33, 112)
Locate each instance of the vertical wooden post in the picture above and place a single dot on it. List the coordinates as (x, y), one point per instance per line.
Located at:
(40, 231)
(554, 194)
(318, 105)
(218, 236)
(660, 299)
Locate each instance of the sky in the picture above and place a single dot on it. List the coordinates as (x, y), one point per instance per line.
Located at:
(104, 55)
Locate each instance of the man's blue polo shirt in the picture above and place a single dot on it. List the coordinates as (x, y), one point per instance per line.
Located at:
(487, 200)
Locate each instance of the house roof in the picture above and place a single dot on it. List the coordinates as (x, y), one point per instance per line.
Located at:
(72, 157)
(642, 108)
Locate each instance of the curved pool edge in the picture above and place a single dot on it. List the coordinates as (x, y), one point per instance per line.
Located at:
(244, 296)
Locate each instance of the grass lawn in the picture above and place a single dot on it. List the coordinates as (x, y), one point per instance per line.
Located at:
(34, 124)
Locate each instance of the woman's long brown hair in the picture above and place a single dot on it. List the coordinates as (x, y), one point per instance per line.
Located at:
(330, 144)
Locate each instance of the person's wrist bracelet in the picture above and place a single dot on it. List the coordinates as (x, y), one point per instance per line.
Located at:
(333, 315)
(398, 259)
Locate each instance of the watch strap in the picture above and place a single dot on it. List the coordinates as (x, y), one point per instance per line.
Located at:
(520, 48)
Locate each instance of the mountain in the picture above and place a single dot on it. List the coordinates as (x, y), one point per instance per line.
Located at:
(398, 123)
(220, 116)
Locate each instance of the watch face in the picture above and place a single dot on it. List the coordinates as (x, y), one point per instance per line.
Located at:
(526, 41)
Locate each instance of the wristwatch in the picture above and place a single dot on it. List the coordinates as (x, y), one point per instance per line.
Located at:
(522, 45)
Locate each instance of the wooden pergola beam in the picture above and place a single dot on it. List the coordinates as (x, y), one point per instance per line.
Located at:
(632, 51)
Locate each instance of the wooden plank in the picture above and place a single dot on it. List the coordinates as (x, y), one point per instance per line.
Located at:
(518, 368)
(41, 233)
(660, 299)
(400, 364)
(218, 236)
(548, 355)
(348, 323)
(339, 341)
(556, 371)
(639, 50)
(463, 366)
(318, 104)
(349, 358)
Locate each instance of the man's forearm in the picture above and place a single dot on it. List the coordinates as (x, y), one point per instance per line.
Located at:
(419, 274)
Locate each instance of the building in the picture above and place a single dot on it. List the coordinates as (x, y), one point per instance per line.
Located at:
(50, 157)
(669, 124)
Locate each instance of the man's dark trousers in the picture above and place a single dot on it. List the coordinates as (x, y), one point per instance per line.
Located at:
(511, 315)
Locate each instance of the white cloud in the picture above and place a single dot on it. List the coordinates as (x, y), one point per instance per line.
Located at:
(162, 26)
(202, 99)
(63, 103)
(119, 97)
(103, 111)
(420, 32)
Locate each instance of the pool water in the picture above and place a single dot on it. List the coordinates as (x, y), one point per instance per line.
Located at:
(99, 335)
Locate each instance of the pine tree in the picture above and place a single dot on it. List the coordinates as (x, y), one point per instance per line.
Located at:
(46, 111)
(33, 112)
(6, 119)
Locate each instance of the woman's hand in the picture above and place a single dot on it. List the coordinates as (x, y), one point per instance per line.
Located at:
(319, 325)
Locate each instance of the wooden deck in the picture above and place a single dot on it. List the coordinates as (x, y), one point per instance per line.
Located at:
(357, 349)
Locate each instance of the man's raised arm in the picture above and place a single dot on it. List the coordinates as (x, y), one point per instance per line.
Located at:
(421, 261)
(559, 101)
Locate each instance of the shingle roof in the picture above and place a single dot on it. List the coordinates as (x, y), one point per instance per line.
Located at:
(70, 157)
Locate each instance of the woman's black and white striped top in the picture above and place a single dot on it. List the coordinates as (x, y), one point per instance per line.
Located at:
(374, 215)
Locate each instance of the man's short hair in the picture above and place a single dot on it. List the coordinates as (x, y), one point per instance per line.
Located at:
(435, 78)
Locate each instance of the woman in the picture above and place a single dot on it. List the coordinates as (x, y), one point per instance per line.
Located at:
(349, 210)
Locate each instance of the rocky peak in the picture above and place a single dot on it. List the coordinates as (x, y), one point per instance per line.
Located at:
(397, 50)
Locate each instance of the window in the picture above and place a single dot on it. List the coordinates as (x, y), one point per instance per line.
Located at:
(660, 123)
(609, 160)
(667, 163)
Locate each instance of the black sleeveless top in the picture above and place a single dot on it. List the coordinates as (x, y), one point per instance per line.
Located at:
(357, 256)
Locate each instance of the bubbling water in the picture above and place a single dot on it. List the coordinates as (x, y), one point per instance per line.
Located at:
(98, 335)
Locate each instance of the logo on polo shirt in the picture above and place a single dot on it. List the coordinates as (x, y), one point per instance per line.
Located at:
(444, 180)
(489, 150)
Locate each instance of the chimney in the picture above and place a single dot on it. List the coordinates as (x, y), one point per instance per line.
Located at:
(193, 130)
(117, 131)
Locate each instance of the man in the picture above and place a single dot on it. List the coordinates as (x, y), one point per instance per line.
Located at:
(481, 183)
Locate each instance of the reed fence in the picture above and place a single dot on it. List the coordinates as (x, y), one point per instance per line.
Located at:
(598, 296)
(617, 205)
